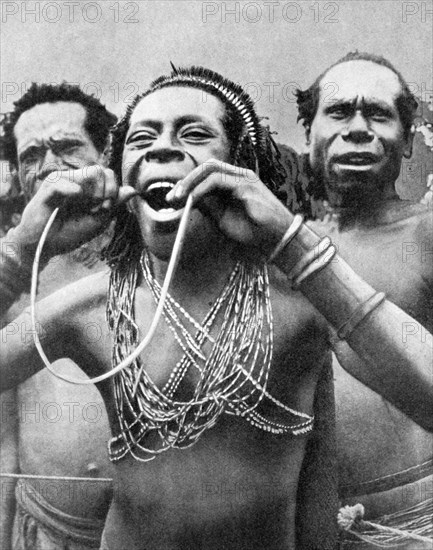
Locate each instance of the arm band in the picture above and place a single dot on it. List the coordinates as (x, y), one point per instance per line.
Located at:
(316, 264)
(288, 236)
(359, 314)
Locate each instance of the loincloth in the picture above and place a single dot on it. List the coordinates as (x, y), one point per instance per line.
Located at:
(40, 526)
(413, 524)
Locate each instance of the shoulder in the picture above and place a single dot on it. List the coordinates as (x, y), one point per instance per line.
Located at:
(415, 230)
(424, 224)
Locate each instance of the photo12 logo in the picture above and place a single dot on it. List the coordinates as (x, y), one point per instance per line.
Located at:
(256, 12)
(71, 12)
(416, 11)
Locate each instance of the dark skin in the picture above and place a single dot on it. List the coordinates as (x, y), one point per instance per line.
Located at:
(386, 241)
(232, 206)
(53, 146)
(180, 485)
(194, 488)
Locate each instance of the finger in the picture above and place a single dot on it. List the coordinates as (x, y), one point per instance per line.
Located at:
(125, 194)
(213, 185)
(61, 188)
(199, 174)
(111, 187)
(93, 179)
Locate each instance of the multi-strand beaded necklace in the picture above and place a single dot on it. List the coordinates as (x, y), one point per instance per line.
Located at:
(231, 379)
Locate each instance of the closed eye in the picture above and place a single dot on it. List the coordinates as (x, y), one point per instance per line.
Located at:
(340, 112)
(378, 114)
(196, 134)
(140, 138)
(65, 146)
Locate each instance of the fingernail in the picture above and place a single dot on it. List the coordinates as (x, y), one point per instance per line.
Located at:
(170, 195)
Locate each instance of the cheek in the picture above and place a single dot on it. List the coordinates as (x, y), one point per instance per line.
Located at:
(317, 147)
(219, 149)
(222, 153)
(89, 154)
(392, 141)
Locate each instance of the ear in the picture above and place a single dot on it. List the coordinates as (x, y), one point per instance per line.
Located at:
(407, 151)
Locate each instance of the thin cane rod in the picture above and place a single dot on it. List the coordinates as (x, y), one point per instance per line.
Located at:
(177, 247)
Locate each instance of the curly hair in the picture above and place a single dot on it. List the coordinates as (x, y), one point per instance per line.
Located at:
(308, 100)
(251, 146)
(97, 124)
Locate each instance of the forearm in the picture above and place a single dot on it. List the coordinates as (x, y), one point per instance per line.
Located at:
(15, 270)
(401, 371)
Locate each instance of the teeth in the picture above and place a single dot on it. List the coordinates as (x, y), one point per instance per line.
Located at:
(160, 185)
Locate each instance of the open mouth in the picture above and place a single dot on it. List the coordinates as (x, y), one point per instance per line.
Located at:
(163, 216)
(155, 196)
(357, 159)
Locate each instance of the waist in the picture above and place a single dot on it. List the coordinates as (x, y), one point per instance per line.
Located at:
(388, 482)
(410, 528)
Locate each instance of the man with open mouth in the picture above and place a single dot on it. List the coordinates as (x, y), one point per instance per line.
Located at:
(210, 422)
(356, 138)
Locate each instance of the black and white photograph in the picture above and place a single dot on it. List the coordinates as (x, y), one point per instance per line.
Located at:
(216, 279)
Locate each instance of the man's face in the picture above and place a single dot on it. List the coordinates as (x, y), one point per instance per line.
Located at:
(171, 132)
(49, 137)
(357, 137)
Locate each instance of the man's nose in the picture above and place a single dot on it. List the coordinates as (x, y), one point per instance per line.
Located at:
(164, 154)
(358, 130)
(165, 149)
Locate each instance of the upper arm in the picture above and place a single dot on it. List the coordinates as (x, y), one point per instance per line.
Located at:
(58, 324)
(19, 357)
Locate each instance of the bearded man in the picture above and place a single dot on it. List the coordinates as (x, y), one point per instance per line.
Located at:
(356, 142)
(50, 428)
(218, 404)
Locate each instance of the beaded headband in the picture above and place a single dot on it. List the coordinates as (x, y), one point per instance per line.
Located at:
(225, 89)
(254, 149)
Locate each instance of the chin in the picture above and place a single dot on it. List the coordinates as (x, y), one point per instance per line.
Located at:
(159, 232)
(357, 181)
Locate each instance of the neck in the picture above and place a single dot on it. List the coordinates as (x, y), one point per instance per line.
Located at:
(359, 207)
(201, 270)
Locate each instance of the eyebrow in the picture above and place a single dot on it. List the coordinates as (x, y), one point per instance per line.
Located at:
(351, 103)
(70, 139)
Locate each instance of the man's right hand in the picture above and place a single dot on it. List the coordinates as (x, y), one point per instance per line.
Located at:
(87, 199)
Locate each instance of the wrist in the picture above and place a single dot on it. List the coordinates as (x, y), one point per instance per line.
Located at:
(334, 289)
(302, 242)
(287, 237)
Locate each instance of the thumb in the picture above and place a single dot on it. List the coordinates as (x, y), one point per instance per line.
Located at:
(125, 193)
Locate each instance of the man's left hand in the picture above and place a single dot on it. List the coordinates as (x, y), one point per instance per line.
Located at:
(242, 207)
